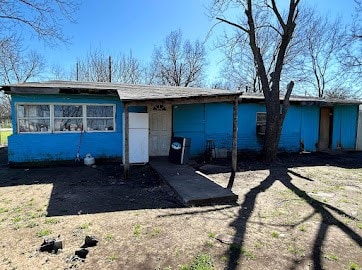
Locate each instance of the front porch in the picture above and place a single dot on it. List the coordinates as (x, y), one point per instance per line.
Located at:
(191, 187)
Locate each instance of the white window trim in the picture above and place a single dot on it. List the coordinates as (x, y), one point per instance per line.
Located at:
(52, 117)
(85, 118)
(35, 118)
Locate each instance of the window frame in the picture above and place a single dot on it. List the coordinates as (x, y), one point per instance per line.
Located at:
(86, 117)
(260, 124)
(18, 119)
(61, 117)
(52, 117)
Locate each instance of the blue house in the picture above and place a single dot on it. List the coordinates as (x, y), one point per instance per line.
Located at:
(55, 121)
(311, 124)
(58, 120)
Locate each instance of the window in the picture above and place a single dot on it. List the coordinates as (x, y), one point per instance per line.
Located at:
(100, 118)
(33, 118)
(260, 123)
(159, 108)
(65, 118)
(68, 117)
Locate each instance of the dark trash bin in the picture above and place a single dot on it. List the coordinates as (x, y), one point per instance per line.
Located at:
(179, 150)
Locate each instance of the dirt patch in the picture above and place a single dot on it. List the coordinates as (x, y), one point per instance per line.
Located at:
(286, 216)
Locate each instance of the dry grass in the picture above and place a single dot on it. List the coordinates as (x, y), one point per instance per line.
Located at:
(286, 218)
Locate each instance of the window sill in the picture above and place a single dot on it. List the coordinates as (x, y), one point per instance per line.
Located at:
(68, 132)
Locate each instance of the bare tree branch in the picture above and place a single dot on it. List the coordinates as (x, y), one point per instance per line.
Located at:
(17, 65)
(42, 17)
(269, 41)
(178, 63)
(277, 14)
(233, 24)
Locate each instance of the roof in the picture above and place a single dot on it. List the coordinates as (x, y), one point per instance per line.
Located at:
(304, 100)
(133, 93)
(126, 92)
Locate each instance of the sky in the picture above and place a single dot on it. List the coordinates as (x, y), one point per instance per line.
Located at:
(118, 26)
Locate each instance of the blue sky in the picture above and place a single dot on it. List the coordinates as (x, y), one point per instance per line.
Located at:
(138, 25)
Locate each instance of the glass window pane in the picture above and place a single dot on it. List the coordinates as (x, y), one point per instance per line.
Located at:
(21, 111)
(99, 124)
(99, 111)
(33, 111)
(261, 118)
(68, 124)
(68, 110)
(35, 125)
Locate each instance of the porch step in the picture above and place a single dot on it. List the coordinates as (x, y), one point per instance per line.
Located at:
(192, 188)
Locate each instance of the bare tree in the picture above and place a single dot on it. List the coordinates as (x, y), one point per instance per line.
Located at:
(255, 17)
(351, 55)
(16, 64)
(220, 84)
(239, 64)
(178, 63)
(357, 21)
(42, 17)
(5, 105)
(99, 66)
(128, 69)
(239, 69)
(60, 73)
(94, 67)
(322, 69)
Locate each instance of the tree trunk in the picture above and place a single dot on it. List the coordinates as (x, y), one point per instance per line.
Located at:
(275, 115)
(272, 136)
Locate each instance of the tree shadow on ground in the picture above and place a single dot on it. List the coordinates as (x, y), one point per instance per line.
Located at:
(281, 173)
(253, 161)
(84, 190)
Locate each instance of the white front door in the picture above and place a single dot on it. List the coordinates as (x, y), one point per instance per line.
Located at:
(160, 129)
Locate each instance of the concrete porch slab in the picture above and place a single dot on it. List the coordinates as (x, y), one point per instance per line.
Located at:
(192, 188)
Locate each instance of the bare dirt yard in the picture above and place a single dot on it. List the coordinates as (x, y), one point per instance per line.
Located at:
(305, 212)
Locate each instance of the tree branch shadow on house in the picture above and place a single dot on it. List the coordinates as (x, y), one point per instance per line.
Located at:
(281, 173)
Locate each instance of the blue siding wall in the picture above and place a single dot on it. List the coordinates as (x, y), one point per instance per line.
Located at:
(247, 138)
(344, 127)
(218, 124)
(214, 121)
(188, 121)
(64, 146)
(310, 127)
(290, 136)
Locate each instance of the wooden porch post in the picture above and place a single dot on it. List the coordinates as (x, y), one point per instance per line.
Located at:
(234, 151)
(126, 142)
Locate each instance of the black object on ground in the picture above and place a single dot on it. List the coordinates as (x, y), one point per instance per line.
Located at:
(89, 241)
(82, 253)
(51, 245)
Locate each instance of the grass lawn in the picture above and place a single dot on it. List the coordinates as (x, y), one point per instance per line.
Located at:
(4, 136)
